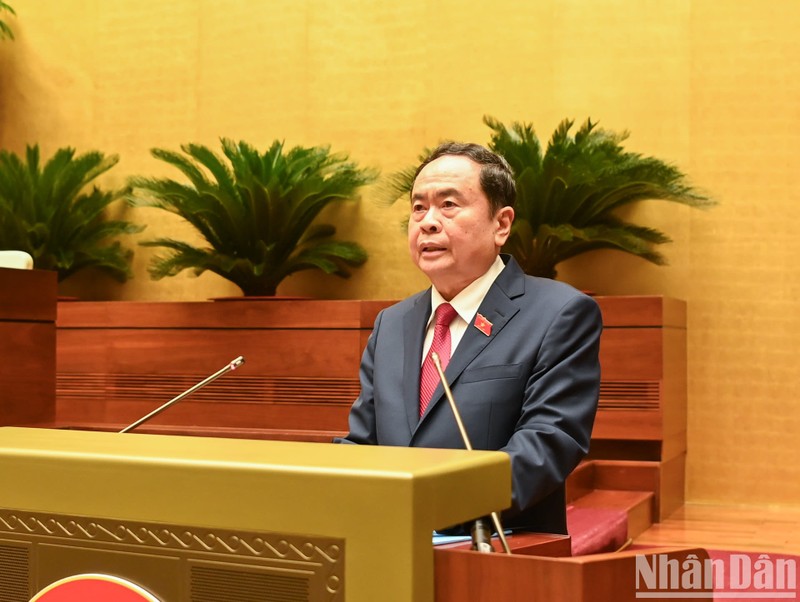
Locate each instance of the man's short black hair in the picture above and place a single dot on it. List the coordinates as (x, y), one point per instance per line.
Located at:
(496, 179)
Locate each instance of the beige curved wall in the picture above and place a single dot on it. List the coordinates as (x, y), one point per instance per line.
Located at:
(710, 85)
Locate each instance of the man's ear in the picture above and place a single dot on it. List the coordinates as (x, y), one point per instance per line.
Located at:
(503, 220)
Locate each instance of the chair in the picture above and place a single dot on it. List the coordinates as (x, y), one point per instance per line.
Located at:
(16, 259)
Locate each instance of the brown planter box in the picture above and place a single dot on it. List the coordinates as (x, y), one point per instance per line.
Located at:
(117, 361)
(27, 345)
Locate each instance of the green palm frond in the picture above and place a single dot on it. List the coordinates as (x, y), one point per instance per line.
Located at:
(397, 185)
(5, 30)
(50, 212)
(256, 212)
(332, 257)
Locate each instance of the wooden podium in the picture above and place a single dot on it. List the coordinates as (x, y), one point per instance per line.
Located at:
(213, 520)
(27, 346)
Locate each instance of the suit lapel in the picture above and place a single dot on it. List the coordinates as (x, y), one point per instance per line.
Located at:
(498, 308)
(413, 336)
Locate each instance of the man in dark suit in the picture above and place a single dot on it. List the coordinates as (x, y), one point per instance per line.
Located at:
(521, 353)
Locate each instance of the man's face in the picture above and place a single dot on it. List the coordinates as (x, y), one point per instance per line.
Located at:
(452, 235)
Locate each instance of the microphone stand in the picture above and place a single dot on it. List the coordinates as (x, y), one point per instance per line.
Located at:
(231, 366)
(449, 394)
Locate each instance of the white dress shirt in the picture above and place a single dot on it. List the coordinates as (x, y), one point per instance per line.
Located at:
(466, 304)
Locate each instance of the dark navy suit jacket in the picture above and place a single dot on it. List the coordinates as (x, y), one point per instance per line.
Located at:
(530, 388)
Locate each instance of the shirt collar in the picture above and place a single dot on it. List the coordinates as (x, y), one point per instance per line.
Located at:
(467, 302)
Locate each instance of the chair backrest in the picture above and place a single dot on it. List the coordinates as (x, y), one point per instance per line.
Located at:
(16, 259)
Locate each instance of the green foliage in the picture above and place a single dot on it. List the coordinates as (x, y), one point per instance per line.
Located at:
(47, 212)
(5, 30)
(568, 196)
(255, 214)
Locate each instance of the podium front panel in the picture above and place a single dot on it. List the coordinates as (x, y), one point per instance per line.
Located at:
(174, 514)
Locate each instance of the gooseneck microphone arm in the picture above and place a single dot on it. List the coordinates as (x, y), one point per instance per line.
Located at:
(449, 394)
(231, 366)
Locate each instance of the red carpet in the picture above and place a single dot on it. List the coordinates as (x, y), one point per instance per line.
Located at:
(596, 530)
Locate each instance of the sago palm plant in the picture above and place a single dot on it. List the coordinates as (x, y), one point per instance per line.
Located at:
(255, 212)
(49, 212)
(568, 195)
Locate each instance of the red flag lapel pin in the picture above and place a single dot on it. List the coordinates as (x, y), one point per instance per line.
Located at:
(484, 325)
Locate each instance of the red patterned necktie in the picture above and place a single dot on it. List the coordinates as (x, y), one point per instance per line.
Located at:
(429, 378)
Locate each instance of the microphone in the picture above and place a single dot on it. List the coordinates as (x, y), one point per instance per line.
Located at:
(229, 368)
(481, 533)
